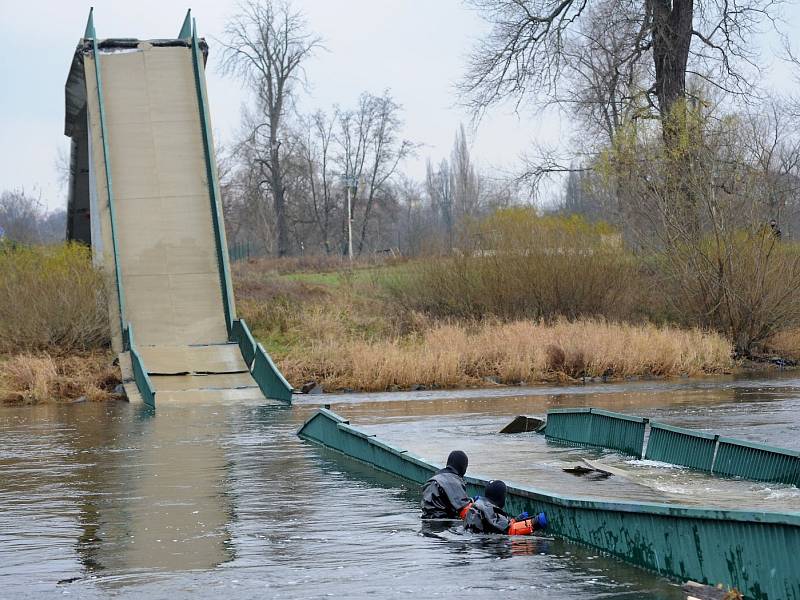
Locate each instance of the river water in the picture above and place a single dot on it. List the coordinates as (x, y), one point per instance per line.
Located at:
(204, 501)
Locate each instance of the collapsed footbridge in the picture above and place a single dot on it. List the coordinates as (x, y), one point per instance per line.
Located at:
(144, 195)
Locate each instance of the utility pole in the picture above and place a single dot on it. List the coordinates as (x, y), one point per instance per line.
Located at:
(349, 183)
(349, 224)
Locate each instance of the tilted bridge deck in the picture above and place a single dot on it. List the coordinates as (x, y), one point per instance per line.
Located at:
(144, 173)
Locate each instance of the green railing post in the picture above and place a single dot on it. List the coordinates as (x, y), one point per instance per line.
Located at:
(90, 33)
(140, 376)
(213, 184)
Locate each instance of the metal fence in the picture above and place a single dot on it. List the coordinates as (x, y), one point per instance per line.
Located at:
(140, 376)
(269, 378)
(757, 461)
(699, 450)
(596, 428)
(240, 251)
(680, 446)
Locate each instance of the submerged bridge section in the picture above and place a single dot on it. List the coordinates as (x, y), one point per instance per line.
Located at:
(144, 194)
(753, 551)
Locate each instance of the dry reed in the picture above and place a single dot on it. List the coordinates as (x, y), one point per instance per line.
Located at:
(28, 378)
(785, 343)
(453, 355)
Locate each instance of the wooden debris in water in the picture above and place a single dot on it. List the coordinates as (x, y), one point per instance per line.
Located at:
(523, 424)
(580, 470)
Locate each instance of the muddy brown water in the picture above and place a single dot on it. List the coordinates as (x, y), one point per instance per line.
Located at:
(208, 500)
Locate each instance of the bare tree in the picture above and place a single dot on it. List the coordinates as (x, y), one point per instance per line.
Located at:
(242, 190)
(721, 259)
(603, 89)
(439, 189)
(20, 214)
(370, 150)
(266, 44)
(416, 227)
(465, 182)
(316, 150)
(534, 45)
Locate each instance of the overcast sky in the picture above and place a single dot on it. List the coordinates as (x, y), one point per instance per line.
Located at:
(414, 48)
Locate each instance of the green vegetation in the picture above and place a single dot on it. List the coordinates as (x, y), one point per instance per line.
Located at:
(520, 265)
(471, 320)
(526, 298)
(51, 298)
(54, 334)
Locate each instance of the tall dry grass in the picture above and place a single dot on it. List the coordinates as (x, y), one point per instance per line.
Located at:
(454, 355)
(51, 299)
(785, 343)
(29, 378)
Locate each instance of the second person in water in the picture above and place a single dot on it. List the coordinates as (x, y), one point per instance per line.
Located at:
(486, 515)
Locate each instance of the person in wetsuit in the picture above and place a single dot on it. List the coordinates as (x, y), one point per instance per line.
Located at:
(486, 515)
(444, 495)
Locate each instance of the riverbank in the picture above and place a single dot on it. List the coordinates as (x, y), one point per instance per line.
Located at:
(54, 334)
(86, 376)
(343, 330)
(452, 355)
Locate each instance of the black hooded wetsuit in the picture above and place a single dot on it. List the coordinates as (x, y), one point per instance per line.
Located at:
(444, 495)
(485, 517)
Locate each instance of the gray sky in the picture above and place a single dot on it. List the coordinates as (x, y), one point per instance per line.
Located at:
(415, 48)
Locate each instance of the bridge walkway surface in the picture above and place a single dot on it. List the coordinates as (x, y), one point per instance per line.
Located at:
(137, 112)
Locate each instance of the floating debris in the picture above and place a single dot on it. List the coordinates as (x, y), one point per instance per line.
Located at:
(523, 424)
(581, 470)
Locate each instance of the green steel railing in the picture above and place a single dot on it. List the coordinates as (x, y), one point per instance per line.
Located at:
(211, 176)
(624, 433)
(240, 334)
(186, 29)
(269, 378)
(267, 375)
(699, 450)
(678, 446)
(596, 428)
(760, 462)
(569, 425)
(90, 33)
(140, 376)
(754, 552)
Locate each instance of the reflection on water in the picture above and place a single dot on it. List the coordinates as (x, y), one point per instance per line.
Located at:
(199, 500)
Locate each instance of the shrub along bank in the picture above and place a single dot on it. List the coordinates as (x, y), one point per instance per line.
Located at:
(353, 332)
(54, 334)
(527, 298)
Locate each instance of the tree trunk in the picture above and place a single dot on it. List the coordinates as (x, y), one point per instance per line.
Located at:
(672, 35)
(278, 198)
